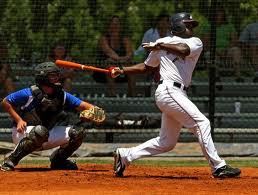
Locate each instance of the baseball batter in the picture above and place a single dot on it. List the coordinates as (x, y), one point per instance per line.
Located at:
(40, 122)
(177, 57)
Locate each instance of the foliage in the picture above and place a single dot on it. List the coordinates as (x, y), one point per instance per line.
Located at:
(31, 27)
(74, 26)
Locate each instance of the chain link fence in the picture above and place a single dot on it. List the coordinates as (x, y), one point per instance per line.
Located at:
(224, 85)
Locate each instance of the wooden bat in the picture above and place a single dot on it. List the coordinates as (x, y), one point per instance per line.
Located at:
(73, 65)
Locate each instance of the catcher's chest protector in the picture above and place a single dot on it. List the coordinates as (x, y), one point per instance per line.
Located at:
(49, 107)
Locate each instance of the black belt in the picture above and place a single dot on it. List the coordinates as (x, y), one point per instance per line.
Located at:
(176, 84)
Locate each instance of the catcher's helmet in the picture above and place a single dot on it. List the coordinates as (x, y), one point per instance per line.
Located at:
(179, 21)
(43, 72)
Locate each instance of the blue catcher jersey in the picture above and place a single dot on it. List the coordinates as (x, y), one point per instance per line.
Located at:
(25, 101)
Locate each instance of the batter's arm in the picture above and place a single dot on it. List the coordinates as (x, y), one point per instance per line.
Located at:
(136, 69)
(179, 49)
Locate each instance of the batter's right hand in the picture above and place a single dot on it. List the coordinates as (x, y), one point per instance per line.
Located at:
(115, 72)
(21, 126)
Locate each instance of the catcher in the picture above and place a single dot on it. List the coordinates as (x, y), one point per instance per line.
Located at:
(40, 122)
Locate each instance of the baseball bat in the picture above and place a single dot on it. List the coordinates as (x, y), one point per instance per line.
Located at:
(73, 65)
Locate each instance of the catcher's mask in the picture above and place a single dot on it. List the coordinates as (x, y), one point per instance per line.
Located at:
(181, 21)
(47, 74)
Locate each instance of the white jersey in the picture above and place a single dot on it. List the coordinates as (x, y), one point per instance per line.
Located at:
(172, 67)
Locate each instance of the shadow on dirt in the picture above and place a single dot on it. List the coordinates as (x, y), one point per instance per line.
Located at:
(165, 177)
(33, 169)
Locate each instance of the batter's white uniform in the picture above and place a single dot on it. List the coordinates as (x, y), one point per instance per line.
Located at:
(177, 110)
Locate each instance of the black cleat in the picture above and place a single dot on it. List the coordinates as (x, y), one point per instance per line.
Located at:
(118, 165)
(7, 167)
(66, 165)
(226, 172)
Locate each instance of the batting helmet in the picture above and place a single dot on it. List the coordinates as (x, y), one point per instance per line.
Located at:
(43, 72)
(179, 21)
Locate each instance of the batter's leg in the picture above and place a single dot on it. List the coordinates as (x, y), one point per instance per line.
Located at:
(166, 141)
(191, 117)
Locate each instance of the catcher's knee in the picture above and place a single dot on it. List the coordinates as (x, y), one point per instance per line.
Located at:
(76, 136)
(38, 135)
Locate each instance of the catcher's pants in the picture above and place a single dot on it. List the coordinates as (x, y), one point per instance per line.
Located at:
(58, 136)
(177, 112)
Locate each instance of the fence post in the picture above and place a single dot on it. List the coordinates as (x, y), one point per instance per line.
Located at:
(212, 66)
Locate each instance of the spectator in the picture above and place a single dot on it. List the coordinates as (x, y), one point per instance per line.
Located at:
(160, 29)
(114, 47)
(227, 50)
(249, 45)
(6, 81)
(59, 52)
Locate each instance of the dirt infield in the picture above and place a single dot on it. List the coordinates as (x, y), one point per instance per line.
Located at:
(139, 179)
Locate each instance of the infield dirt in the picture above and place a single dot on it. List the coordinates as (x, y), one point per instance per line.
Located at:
(139, 179)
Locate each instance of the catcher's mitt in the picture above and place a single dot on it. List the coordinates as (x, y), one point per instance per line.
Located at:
(94, 114)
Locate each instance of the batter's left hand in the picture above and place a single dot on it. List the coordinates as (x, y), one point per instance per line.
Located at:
(151, 46)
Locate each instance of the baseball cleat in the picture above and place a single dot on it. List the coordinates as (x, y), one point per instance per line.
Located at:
(7, 167)
(66, 165)
(226, 172)
(118, 164)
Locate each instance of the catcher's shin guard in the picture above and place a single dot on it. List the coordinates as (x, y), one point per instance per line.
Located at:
(59, 157)
(37, 136)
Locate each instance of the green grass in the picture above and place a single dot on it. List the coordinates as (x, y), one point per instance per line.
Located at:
(79, 161)
(196, 163)
(153, 162)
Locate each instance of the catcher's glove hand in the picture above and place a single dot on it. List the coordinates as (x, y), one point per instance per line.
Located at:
(94, 114)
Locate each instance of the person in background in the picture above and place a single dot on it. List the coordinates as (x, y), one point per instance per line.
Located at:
(160, 29)
(6, 81)
(227, 48)
(249, 45)
(114, 47)
(59, 52)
